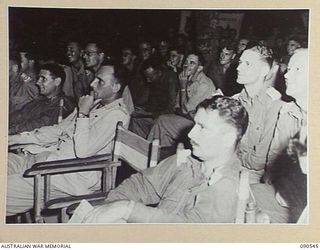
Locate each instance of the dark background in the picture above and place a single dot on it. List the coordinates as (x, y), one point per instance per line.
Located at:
(49, 29)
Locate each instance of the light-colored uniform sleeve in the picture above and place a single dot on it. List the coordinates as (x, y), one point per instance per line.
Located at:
(217, 204)
(89, 139)
(147, 186)
(287, 126)
(203, 91)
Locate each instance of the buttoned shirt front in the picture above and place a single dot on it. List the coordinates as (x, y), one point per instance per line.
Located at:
(183, 193)
(263, 111)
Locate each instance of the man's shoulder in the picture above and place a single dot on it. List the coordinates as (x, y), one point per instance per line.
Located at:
(292, 110)
(273, 94)
(203, 79)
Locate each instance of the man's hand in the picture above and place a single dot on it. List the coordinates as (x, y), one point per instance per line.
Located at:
(114, 212)
(86, 103)
(183, 79)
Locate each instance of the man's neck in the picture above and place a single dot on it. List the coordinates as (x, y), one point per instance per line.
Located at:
(96, 68)
(107, 101)
(53, 95)
(218, 162)
(225, 67)
(77, 64)
(130, 66)
(253, 89)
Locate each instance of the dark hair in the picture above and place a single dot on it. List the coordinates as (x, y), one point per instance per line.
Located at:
(100, 48)
(231, 110)
(76, 43)
(151, 62)
(16, 58)
(230, 46)
(199, 55)
(296, 39)
(55, 71)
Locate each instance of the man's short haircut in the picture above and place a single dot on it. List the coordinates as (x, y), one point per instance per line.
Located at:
(133, 51)
(230, 46)
(296, 38)
(265, 53)
(151, 62)
(15, 58)
(55, 71)
(231, 110)
(79, 45)
(199, 55)
(98, 45)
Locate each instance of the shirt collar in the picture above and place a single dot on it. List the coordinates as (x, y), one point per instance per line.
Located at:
(260, 96)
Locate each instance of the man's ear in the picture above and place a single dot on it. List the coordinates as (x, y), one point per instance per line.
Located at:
(15, 68)
(57, 81)
(229, 137)
(116, 87)
(265, 70)
(101, 55)
(233, 56)
(200, 68)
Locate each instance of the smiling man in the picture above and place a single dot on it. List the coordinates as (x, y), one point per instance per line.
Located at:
(88, 131)
(45, 110)
(77, 83)
(203, 189)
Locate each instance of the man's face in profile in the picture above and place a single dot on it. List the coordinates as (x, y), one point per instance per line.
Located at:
(250, 67)
(208, 134)
(297, 75)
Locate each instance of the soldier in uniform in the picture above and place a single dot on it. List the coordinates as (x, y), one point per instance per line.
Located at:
(263, 104)
(24, 88)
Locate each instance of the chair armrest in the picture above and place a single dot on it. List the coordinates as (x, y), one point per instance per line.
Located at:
(96, 201)
(70, 165)
(75, 200)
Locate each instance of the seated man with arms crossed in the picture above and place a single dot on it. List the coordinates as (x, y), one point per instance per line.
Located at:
(88, 131)
(202, 189)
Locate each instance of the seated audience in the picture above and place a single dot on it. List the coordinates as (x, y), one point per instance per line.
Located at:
(195, 87)
(46, 109)
(203, 189)
(88, 131)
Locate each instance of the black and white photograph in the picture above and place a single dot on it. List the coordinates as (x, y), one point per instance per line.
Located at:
(157, 116)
